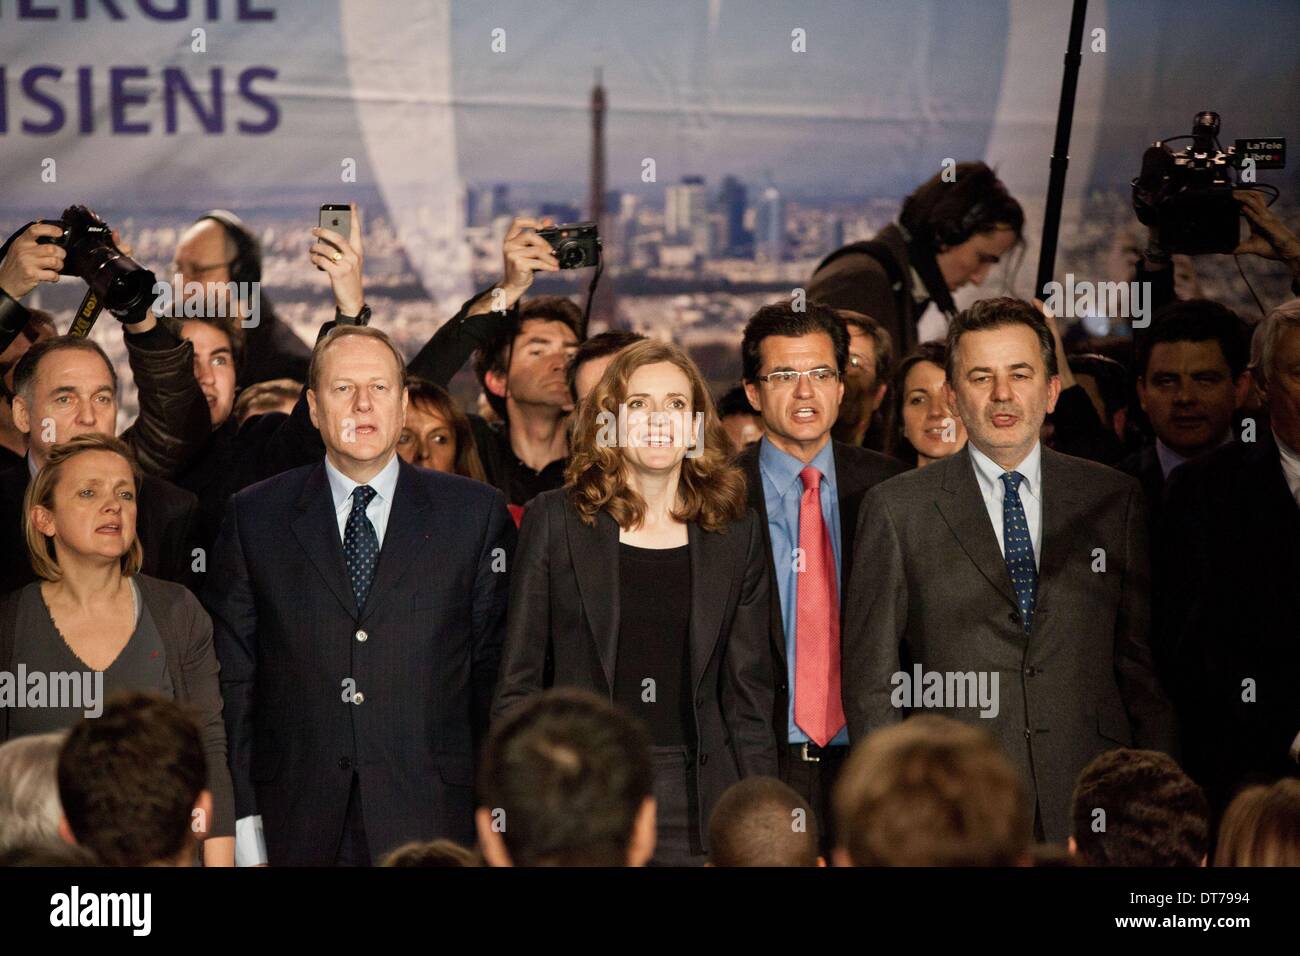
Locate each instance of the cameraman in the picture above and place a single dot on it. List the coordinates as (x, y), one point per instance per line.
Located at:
(172, 423)
(948, 234)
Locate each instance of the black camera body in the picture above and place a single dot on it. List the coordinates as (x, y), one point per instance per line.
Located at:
(121, 283)
(1188, 195)
(576, 244)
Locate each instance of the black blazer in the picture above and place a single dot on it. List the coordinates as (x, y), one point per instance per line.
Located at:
(186, 634)
(422, 654)
(564, 606)
(167, 524)
(856, 471)
(1227, 563)
(935, 585)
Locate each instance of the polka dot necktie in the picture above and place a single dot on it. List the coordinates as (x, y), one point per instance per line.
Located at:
(360, 544)
(1018, 546)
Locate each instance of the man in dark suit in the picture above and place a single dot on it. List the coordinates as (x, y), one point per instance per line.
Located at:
(1012, 579)
(358, 607)
(784, 355)
(66, 387)
(1191, 377)
(1227, 559)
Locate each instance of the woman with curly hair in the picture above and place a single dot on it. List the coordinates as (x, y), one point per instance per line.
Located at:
(644, 579)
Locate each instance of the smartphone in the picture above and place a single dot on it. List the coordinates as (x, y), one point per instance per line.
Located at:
(338, 217)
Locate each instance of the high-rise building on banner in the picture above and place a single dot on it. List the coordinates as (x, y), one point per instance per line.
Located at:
(769, 226)
(602, 306)
(732, 198)
(686, 214)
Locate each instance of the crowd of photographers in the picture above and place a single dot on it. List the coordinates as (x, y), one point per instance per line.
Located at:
(341, 620)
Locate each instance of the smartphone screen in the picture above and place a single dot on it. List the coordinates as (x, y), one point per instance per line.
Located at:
(337, 217)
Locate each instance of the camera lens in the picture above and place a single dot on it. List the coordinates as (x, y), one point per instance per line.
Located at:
(570, 255)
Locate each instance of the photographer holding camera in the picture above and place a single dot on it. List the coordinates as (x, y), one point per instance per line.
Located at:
(65, 386)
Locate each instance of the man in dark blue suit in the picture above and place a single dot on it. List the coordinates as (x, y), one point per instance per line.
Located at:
(359, 606)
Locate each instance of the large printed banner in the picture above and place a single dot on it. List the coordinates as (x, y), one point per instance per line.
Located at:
(742, 138)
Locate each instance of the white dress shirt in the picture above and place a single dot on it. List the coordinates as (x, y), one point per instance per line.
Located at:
(250, 845)
(988, 474)
(1290, 466)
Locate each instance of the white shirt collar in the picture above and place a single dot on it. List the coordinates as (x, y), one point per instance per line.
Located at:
(990, 473)
(341, 486)
(1170, 459)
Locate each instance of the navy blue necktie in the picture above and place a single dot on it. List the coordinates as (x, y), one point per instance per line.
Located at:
(360, 544)
(1018, 546)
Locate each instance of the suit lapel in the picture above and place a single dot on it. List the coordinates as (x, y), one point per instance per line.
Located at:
(1061, 503)
(595, 561)
(405, 532)
(962, 507)
(711, 569)
(749, 460)
(317, 530)
(849, 484)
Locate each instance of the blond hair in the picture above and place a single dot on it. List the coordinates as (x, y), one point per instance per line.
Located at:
(40, 492)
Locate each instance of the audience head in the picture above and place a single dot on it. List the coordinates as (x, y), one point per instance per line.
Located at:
(132, 783)
(593, 357)
(1262, 827)
(526, 361)
(437, 435)
(1275, 361)
(741, 420)
(29, 792)
(217, 250)
(930, 792)
(651, 415)
(261, 398)
(966, 218)
(80, 509)
(866, 378)
(798, 414)
(1138, 808)
(566, 780)
(63, 387)
(760, 821)
(1191, 373)
(927, 426)
(1002, 376)
(1105, 381)
(217, 343)
(356, 394)
(435, 853)
(40, 326)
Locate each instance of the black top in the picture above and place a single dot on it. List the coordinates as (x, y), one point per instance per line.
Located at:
(654, 629)
(517, 481)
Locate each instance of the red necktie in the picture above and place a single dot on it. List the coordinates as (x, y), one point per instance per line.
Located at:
(818, 711)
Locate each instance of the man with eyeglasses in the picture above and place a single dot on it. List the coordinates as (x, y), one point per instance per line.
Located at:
(808, 488)
(217, 250)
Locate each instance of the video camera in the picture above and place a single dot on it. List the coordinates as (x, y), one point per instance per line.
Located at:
(1188, 195)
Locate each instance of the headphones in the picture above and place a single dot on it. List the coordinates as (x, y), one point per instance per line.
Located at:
(247, 264)
(953, 232)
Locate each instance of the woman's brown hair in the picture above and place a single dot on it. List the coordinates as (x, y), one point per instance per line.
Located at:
(711, 489)
(40, 491)
(1262, 827)
(434, 398)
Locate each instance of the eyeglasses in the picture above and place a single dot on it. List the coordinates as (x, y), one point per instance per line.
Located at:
(818, 376)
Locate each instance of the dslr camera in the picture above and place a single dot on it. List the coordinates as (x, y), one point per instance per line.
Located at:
(120, 282)
(576, 244)
(1188, 194)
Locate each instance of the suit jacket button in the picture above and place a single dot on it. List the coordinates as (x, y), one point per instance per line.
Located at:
(1030, 671)
(704, 758)
(1014, 617)
(345, 763)
(362, 636)
(358, 698)
(1028, 733)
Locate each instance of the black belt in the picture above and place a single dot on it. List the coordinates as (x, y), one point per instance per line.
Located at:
(809, 752)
